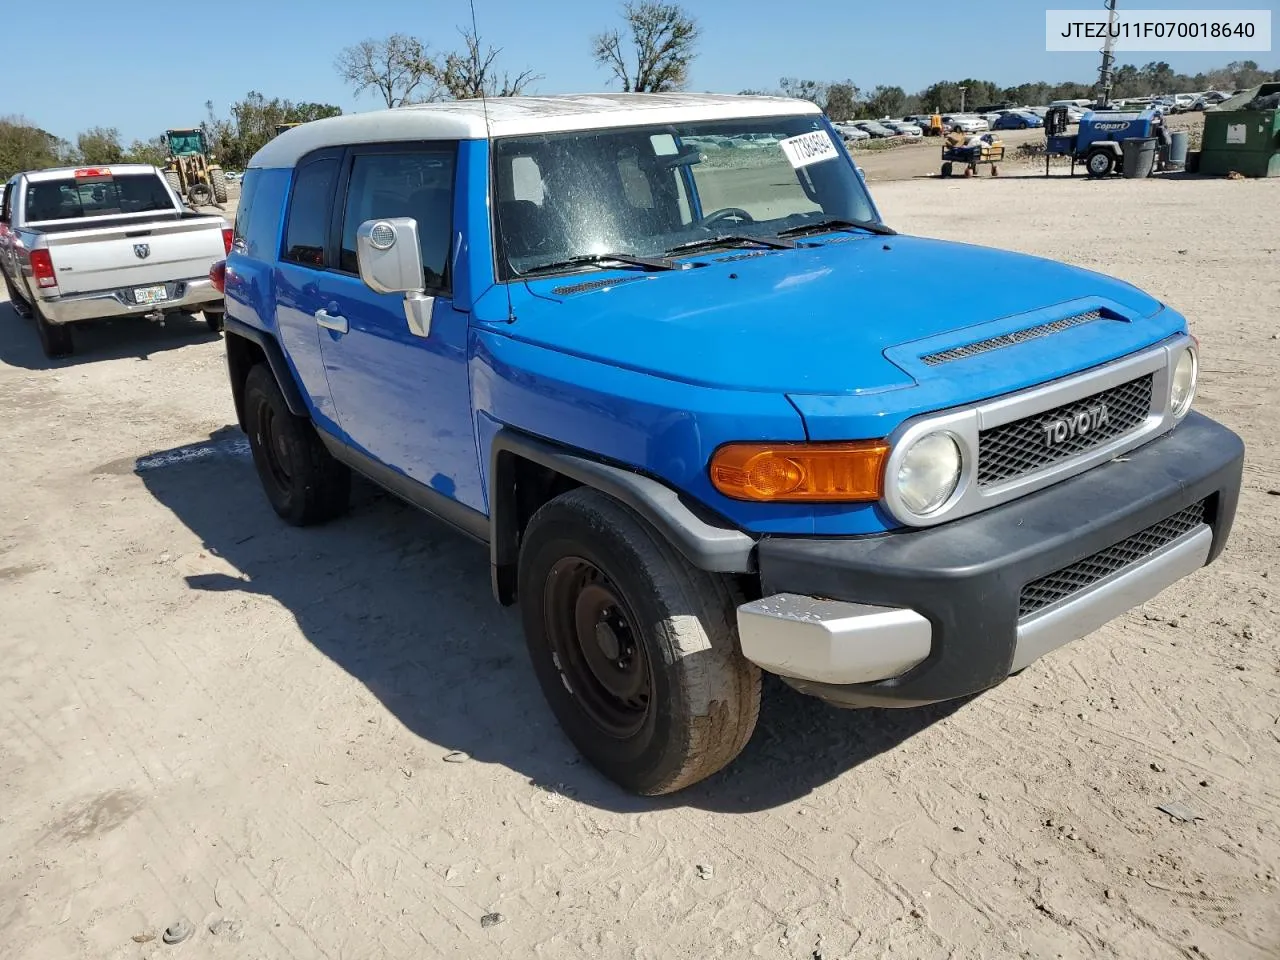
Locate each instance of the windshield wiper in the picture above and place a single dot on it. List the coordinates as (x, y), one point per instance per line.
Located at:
(731, 240)
(599, 260)
(828, 226)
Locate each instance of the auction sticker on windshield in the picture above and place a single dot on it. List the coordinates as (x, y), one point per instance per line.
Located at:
(807, 148)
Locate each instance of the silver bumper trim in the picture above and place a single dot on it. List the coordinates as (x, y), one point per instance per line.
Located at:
(99, 305)
(831, 641)
(1084, 612)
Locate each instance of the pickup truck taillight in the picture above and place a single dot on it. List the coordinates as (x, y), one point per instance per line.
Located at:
(218, 276)
(42, 269)
(227, 236)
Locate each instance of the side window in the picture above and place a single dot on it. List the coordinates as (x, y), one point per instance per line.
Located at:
(5, 211)
(416, 184)
(313, 188)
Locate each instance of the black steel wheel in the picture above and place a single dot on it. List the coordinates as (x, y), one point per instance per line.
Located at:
(593, 637)
(635, 650)
(302, 480)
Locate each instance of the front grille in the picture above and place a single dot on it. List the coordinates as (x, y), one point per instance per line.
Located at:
(1063, 583)
(1018, 448)
(1009, 339)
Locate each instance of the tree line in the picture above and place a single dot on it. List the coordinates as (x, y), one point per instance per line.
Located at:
(650, 50)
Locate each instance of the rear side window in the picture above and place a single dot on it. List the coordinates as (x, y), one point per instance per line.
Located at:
(415, 183)
(313, 188)
(4, 203)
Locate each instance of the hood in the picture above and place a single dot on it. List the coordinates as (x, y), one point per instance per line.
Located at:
(817, 320)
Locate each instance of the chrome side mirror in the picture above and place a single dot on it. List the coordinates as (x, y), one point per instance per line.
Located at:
(390, 261)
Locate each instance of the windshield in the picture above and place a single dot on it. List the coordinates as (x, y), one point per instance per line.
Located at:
(644, 191)
(69, 198)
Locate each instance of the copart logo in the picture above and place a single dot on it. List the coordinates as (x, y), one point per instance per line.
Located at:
(1110, 126)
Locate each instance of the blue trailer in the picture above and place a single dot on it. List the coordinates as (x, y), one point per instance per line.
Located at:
(1097, 142)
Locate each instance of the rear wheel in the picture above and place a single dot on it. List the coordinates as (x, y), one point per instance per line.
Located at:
(218, 181)
(302, 480)
(214, 319)
(636, 651)
(947, 169)
(55, 338)
(1099, 163)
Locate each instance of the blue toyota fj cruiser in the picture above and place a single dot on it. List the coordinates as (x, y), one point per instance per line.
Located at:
(652, 350)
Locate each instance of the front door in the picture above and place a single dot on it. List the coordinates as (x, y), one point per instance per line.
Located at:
(402, 399)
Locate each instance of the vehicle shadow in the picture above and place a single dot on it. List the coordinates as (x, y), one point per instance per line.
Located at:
(402, 603)
(97, 340)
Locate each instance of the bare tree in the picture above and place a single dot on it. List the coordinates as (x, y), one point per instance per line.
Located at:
(662, 40)
(396, 67)
(472, 73)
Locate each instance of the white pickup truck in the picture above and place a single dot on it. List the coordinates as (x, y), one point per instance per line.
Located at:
(108, 241)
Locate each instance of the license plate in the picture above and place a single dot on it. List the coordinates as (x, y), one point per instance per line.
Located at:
(150, 294)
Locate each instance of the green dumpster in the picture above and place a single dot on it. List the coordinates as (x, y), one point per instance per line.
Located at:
(1246, 141)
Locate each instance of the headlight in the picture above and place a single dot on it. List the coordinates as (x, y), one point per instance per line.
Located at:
(928, 473)
(1182, 385)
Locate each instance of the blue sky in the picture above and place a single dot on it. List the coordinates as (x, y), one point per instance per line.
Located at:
(155, 66)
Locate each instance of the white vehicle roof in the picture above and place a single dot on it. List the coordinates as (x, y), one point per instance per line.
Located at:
(517, 116)
(61, 173)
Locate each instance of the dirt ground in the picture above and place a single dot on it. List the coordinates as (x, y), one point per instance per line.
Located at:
(207, 715)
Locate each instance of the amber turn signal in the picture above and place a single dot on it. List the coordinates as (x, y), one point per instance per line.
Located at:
(801, 472)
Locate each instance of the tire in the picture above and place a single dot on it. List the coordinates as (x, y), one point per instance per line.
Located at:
(947, 169)
(200, 195)
(218, 180)
(214, 319)
(1023, 125)
(174, 181)
(1099, 163)
(303, 482)
(55, 338)
(16, 300)
(684, 700)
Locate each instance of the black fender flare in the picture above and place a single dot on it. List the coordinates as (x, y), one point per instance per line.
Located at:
(272, 350)
(716, 548)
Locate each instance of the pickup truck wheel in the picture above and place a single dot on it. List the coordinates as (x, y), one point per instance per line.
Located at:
(635, 649)
(20, 306)
(214, 319)
(302, 480)
(55, 339)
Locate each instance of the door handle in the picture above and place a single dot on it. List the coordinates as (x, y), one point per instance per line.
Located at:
(331, 321)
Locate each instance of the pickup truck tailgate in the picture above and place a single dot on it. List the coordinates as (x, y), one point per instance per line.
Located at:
(134, 256)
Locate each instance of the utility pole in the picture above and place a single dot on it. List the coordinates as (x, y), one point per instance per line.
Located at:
(963, 89)
(1108, 58)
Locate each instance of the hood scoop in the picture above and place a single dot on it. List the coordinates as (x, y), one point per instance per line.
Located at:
(1017, 336)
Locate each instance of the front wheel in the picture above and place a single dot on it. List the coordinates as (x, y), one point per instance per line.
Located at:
(1099, 164)
(303, 482)
(636, 651)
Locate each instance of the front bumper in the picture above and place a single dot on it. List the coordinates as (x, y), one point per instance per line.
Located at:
(915, 617)
(188, 295)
